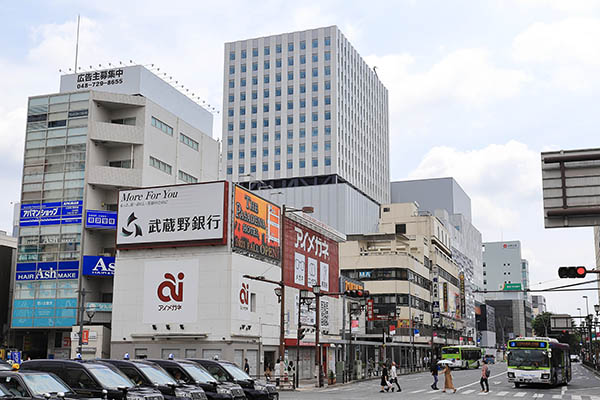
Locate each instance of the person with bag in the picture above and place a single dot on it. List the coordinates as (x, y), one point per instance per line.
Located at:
(485, 374)
(435, 368)
(385, 385)
(448, 383)
(394, 377)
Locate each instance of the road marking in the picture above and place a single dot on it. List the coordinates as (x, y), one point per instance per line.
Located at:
(477, 382)
(483, 393)
(557, 396)
(497, 383)
(432, 391)
(468, 391)
(537, 395)
(502, 393)
(418, 391)
(520, 394)
(575, 397)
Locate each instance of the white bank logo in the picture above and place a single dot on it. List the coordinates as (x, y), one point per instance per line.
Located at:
(98, 266)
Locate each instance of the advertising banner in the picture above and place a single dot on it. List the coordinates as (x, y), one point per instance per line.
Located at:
(350, 284)
(311, 258)
(370, 313)
(98, 266)
(43, 271)
(171, 291)
(256, 226)
(308, 315)
(445, 296)
(463, 300)
(179, 215)
(324, 311)
(54, 213)
(100, 219)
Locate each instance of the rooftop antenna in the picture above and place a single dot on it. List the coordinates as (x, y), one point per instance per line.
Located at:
(375, 70)
(77, 42)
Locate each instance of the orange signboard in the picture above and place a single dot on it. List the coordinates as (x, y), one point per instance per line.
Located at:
(256, 226)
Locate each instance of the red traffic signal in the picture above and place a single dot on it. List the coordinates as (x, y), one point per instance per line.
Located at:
(360, 293)
(572, 272)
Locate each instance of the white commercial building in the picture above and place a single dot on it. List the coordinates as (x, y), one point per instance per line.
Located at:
(306, 119)
(105, 130)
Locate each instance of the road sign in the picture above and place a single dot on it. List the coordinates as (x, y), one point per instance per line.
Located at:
(512, 287)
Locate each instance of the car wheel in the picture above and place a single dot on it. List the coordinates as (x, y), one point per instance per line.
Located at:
(517, 385)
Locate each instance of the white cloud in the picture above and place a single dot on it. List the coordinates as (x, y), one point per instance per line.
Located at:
(568, 50)
(466, 76)
(566, 6)
(500, 179)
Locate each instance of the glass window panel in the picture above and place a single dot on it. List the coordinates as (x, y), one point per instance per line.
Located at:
(38, 101)
(55, 150)
(32, 197)
(73, 184)
(75, 148)
(79, 105)
(35, 144)
(31, 187)
(55, 133)
(75, 166)
(59, 99)
(59, 116)
(55, 167)
(29, 230)
(80, 96)
(49, 229)
(34, 153)
(58, 159)
(78, 131)
(56, 142)
(36, 135)
(53, 176)
(76, 140)
(71, 228)
(73, 193)
(33, 178)
(52, 185)
(74, 175)
(73, 123)
(52, 194)
(58, 107)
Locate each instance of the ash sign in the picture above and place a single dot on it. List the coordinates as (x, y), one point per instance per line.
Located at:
(176, 215)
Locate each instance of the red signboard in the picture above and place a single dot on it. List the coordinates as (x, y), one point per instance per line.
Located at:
(86, 337)
(370, 314)
(392, 329)
(66, 342)
(309, 258)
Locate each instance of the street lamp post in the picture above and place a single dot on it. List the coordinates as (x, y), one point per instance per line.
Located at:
(587, 318)
(302, 299)
(318, 363)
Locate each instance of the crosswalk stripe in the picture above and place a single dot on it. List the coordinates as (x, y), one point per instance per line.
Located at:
(502, 393)
(538, 395)
(432, 391)
(557, 396)
(483, 393)
(520, 394)
(468, 391)
(575, 397)
(418, 391)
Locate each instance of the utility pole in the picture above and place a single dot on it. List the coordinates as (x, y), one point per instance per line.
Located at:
(81, 310)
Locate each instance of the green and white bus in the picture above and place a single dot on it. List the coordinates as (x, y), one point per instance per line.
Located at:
(462, 356)
(538, 360)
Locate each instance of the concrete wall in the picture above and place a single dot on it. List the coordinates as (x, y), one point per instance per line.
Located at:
(502, 264)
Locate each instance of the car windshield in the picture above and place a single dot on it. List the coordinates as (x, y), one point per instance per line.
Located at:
(198, 373)
(450, 350)
(156, 374)
(532, 358)
(236, 372)
(40, 384)
(109, 377)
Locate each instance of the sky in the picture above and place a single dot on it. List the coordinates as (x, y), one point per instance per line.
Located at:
(477, 89)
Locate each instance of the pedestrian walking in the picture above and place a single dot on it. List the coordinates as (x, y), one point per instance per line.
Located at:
(485, 374)
(394, 377)
(385, 385)
(246, 366)
(278, 372)
(448, 384)
(435, 368)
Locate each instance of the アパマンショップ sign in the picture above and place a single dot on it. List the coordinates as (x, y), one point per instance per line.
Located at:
(256, 226)
(174, 215)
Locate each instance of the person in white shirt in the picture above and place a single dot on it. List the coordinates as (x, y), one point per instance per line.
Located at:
(278, 370)
(394, 377)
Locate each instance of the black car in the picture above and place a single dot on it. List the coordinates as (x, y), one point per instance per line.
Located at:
(193, 373)
(226, 371)
(148, 374)
(94, 379)
(33, 385)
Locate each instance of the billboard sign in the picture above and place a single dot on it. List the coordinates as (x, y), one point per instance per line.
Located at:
(100, 219)
(44, 271)
(171, 291)
(256, 226)
(512, 287)
(350, 284)
(311, 258)
(98, 266)
(179, 215)
(53, 213)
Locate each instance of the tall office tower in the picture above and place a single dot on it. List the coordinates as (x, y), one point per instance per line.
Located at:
(104, 131)
(306, 119)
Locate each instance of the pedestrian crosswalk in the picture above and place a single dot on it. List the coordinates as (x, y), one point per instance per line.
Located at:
(527, 395)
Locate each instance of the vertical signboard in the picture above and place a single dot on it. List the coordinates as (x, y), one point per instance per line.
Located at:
(256, 226)
(446, 297)
(463, 300)
(311, 258)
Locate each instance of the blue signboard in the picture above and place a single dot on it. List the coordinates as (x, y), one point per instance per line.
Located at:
(15, 356)
(101, 219)
(47, 271)
(98, 266)
(55, 213)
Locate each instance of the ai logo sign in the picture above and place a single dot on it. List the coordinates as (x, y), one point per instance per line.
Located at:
(164, 285)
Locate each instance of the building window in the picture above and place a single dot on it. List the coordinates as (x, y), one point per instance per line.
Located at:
(278, 119)
(302, 147)
(267, 50)
(290, 105)
(244, 53)
(265, 167)
(277, 150)
(255, 52)
(302, 59)
(315, 147)
(265, 152)
(315, 57)
(243, 67)
(230, 141)
(252, 167)
(254, 95)
(327, 161)
(253, 139)
(290, 164)
(187, 177)
(315, 43)
(265, 137)
(230, 126)
(266, 93)
(302, 44)
(327, 115)
(117, 164)
(290, 90)
(327, 100)
(277, 165)
(266, 107)
(162, 126)
(231, 83)
(290, 60)
(278, 77)
(302, 117)
(243, 82)
(277, 136)
(278, 63)
(302, 163)
(254, 68)
(315, 72)
(242, 140)
(315, 131)
(290, 119)
(290, 134)
(302, 103)
(327, 85)
(327, 145)
(242, 154)
(231, 70)
(242, 125)
(290, 46)
(230, 112)
(327, 130)
(315, 116)
(327, 70)
(302, 73)
(290, 75)
(231, 98)
(278, 106)
(290, 149)
(243, 96)
(267, 64)
(229, 170)
(277, 48)
(277, 92)
(327, 56)
(315, 87)
(242, 110)
(163, 166)
(241, 169)
(302, 133)
(253, 153)
(266, 79)
(118, 121)
(188, 141)
(327, 40)
(253, 123)
(400, 229)
(315, 162)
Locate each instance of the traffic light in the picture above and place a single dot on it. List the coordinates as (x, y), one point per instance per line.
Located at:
(572, 272)
(301, 333)
(360, 293)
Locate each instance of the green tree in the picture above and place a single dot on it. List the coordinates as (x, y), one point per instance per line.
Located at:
(541, 327)
(541, 324)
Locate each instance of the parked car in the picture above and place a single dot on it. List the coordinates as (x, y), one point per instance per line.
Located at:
(574, 358)
(489, 358)
(151, 375)
(226, 371)
(33, 385)
(192, 373)
(94, 379)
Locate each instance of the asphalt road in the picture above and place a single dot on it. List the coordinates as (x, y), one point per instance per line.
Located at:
(584, 386)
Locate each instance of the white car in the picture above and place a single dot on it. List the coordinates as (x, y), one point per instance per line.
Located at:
(574, 358)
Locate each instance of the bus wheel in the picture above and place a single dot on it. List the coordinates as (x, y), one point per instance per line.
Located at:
(517, 385)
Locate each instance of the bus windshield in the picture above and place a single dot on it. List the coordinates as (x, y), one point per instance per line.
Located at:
(531, 358)
(450, 350)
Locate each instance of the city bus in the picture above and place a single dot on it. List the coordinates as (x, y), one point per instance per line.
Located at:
(462, 356)
(538, 360)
